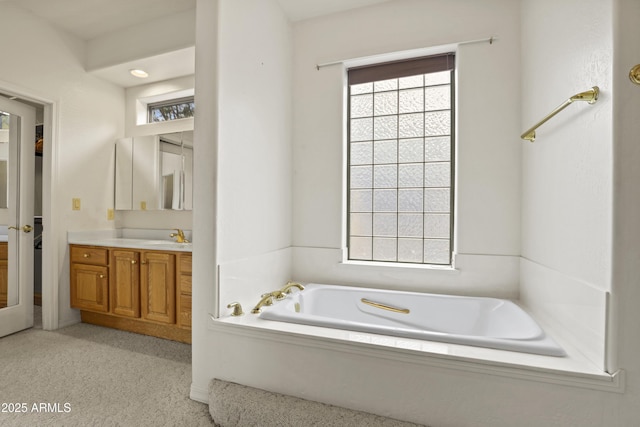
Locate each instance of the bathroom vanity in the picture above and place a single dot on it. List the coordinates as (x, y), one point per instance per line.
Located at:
(142, 287)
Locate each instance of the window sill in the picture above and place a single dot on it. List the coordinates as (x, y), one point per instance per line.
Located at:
(170, 126)
(402, 265)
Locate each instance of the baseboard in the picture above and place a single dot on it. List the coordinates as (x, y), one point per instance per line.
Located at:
(67, 322)
(169, 332)
(199, 394)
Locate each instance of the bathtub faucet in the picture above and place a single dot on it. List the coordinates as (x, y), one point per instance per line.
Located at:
(290, 285)
(266, 300)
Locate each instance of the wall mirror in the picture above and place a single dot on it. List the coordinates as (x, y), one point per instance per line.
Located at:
(154, 172)
(4, 163)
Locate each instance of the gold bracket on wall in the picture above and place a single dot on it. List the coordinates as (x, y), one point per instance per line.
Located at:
(634, 74)
(590, 96)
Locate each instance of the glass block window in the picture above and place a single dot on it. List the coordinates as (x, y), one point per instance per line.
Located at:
(4, 120)
(172, 109)
(400, 161)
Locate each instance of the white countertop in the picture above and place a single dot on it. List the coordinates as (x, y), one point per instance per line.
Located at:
(117, 242)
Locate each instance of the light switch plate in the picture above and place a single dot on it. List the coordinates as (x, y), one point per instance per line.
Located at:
(110, 215)
(75, 204)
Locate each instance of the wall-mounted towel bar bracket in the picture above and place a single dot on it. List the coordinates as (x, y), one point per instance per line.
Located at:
(590, 96)
(634, 74)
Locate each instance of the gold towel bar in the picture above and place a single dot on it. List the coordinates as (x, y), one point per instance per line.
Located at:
(591, 96)
(385, 307)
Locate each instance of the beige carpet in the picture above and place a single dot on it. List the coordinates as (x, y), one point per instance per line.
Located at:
(86, 375)
(235, 405)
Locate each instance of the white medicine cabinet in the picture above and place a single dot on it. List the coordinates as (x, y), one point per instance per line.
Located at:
(154, 172)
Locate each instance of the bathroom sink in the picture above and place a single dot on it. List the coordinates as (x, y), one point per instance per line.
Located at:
(166, 244)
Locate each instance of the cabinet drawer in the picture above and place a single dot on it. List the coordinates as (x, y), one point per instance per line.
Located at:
(4, 250)
(185, 264)
(89, 255)
(185, 284)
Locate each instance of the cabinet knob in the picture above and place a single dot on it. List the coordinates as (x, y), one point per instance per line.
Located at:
(101, 276)
(133, 261)
(143, 262)
(86, 255)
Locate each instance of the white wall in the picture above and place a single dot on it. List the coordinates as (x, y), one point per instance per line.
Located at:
(45, 63)
(254, 167)
(624, 342)
(487, 217)
(205, 196)
(155, 37)
(567, 173)
(242, 149)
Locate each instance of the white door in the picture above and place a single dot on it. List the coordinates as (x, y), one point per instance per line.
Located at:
(16, 215)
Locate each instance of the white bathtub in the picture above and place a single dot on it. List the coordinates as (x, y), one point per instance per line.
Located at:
(482, 322)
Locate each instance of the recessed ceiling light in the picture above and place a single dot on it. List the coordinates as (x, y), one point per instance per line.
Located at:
(139, 73)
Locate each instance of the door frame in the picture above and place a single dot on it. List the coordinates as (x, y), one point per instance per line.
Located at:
(51, 232)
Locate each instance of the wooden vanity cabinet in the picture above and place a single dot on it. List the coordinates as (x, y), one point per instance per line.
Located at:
(136, 290)
(89, 278)
(124, 282)
(4, 273)
(184, 292)
(159, 287)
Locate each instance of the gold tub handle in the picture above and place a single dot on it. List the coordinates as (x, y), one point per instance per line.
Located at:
(385, 306)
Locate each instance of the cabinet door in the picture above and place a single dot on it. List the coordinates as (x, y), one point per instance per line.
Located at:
(158, 286)
(124, 282)
(90, 287)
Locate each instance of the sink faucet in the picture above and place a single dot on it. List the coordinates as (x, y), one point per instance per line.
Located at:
(179, 236)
